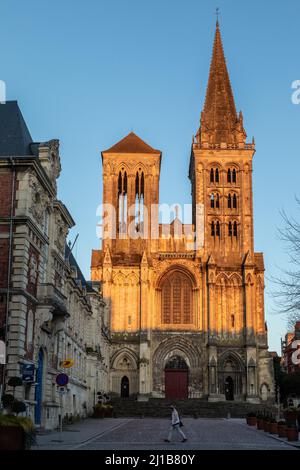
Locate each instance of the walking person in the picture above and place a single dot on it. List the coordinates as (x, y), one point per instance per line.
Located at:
(175, 425)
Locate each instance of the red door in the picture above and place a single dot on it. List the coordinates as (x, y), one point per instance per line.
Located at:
(176, 384)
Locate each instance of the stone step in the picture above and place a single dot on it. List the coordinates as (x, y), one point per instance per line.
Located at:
(194, 408)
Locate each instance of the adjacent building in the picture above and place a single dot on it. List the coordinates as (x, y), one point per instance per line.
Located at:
(48, 311)
(291, 350)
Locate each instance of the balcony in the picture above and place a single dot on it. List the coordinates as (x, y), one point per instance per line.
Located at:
(49, 295)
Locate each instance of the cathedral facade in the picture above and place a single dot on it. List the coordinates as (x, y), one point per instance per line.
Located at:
(186, 301)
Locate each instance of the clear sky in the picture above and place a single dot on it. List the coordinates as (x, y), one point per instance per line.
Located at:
(89, 72)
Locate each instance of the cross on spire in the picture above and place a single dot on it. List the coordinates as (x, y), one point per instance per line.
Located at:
(217, 14)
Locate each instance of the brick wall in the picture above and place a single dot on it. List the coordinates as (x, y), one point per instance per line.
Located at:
(6, 179)
(4, 248)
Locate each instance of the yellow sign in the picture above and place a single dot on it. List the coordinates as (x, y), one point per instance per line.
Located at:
(67, 363)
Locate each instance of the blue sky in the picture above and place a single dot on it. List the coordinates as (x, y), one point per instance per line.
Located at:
(90, 72)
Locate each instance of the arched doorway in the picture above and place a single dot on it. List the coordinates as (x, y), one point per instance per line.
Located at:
(176, 379)
(39, 388)
(231, 377)
(229, 389)
(125, 387)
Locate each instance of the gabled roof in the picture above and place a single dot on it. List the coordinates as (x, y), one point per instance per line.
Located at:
(131, 144)
(15, 138)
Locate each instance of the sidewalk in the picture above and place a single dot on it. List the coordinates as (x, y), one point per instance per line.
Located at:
(273, 436)
(78, 434)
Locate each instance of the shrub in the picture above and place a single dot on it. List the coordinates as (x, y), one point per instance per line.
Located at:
(100, 406)
(18, 407)
(12, 420)
(7, 400)
(15, 382)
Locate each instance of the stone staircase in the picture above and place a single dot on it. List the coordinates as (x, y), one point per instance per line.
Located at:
(196, 408)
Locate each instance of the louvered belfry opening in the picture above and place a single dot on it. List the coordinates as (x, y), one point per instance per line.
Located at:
(139, 201)
(122, 201)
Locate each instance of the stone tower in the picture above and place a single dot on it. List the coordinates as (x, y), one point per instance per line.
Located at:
(131, 187)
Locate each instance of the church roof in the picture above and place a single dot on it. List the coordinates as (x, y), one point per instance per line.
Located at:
(219, 120)
(131, 144)
(15, 138)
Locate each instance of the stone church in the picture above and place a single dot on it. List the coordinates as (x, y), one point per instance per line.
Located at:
(186, 301)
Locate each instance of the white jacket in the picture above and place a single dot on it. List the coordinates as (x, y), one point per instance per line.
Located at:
(175, 417)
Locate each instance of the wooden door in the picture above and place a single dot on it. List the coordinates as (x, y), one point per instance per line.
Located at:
(176, 384)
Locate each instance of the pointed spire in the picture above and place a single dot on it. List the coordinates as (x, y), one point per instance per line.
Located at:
(144, 260)
(107, 257)
(219, 120)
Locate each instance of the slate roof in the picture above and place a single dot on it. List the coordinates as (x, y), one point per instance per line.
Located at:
(80, 277)
(15, 138)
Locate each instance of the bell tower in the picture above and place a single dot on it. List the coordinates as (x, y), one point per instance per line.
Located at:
(131, 171)
(221, 167)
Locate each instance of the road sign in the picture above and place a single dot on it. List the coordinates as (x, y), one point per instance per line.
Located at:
(28, 373)
(62, 380)
(66, 363)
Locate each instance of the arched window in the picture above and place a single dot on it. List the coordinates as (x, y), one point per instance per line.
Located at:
(176, 291)
(212, 176)
(232, 321)
(234, 175)
(215, 201)
(230, 229)
(217, 175)
(213, 229)
(235, 230)
(139, 200)
(229, 176)
(234, 204)
(229, 201)
(122, 201)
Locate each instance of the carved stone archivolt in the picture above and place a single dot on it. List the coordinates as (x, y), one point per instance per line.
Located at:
(124, 359)
(167, 265)
(171, 347)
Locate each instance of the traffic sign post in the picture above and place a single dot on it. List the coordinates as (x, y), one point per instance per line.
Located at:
(62, 381)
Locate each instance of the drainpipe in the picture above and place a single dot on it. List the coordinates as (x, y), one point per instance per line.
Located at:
(12, 203)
